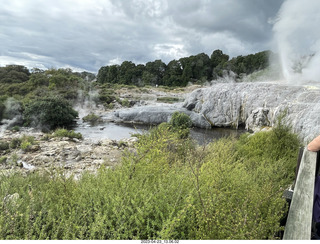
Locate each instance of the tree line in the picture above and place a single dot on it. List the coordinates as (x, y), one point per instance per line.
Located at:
(197, 68)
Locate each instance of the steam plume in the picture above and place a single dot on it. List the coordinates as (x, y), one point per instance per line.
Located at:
(298, 39)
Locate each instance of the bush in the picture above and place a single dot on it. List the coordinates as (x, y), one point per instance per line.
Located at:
(180, 120)
(67, 133)
(92, 119)
(15, 143)
(181, 123)
(3, 160)
(26, 146)
(125, 103)
(167, 189)
(24, 142)
(49, 113)
(4, 145)
(15, 128)
(106, 96)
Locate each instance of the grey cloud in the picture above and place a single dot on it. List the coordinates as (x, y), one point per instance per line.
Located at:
(88, 34)
(245, 20)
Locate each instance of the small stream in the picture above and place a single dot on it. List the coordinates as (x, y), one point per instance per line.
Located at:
(122, 131)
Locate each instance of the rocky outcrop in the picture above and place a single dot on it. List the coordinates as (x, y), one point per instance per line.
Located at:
(154, 115)
(253, 105)
(71, 155)
(257, 105)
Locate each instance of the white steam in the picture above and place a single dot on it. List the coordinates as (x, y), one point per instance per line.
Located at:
(12, 114)
(86, 103)
(298, 40)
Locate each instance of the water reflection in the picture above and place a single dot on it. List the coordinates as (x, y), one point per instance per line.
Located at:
(108, 131)
(122, 131)
(205, 136)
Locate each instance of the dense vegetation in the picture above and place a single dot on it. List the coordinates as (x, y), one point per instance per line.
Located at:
(55, 91)
(198, 68)
(169, 189)
(40, 98)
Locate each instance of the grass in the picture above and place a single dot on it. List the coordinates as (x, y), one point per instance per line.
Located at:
(67, 133)
(92, 118)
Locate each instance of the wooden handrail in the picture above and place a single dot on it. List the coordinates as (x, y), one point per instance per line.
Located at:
(299, 221)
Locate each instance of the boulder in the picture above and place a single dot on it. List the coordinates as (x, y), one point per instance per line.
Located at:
(258, 119)
(154, 115)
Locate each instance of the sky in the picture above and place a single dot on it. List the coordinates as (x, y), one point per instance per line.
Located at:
(86, 34)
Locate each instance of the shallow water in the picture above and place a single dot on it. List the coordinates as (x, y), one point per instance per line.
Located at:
(205, 136)
(108, 131)
(122, 131)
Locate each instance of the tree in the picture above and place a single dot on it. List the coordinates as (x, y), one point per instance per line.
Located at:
(202, 68)
(180, 72)
(49, 113)
(218, 57)
(196, 68)
(126, 72)
(39, 78)
(102, 74)
(14, 74)
(180, 120)
(108, 74)
(154, 73)
(86, 75)
(137, 75)
(219, 62)
(250, 63)
(173, 74)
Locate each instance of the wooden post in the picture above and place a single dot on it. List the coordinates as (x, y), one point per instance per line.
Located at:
(299, 221)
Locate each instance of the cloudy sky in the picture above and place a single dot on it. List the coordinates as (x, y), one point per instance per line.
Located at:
(88, 34)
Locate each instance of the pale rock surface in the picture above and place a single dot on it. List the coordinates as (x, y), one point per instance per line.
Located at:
(257, 104)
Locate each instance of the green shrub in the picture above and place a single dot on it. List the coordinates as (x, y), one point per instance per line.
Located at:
(3, 159)
(26, 146)
(15, 143)
(24, 142)
(4, 145)
(278, 145)
(67, 133)
(109, 106)
(167, 189)
(15, 128)
(125, 103)
(49, 112)
(181, 123)
(106, 97)
(92, 118)
(180, 120)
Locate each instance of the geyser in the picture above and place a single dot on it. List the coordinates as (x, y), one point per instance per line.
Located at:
(296, 33)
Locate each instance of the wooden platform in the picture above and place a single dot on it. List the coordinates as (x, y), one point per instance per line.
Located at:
(299, 221)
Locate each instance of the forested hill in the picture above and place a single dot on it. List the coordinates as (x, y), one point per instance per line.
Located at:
(198, 68)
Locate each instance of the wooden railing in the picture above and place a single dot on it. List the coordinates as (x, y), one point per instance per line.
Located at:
(299, 221)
